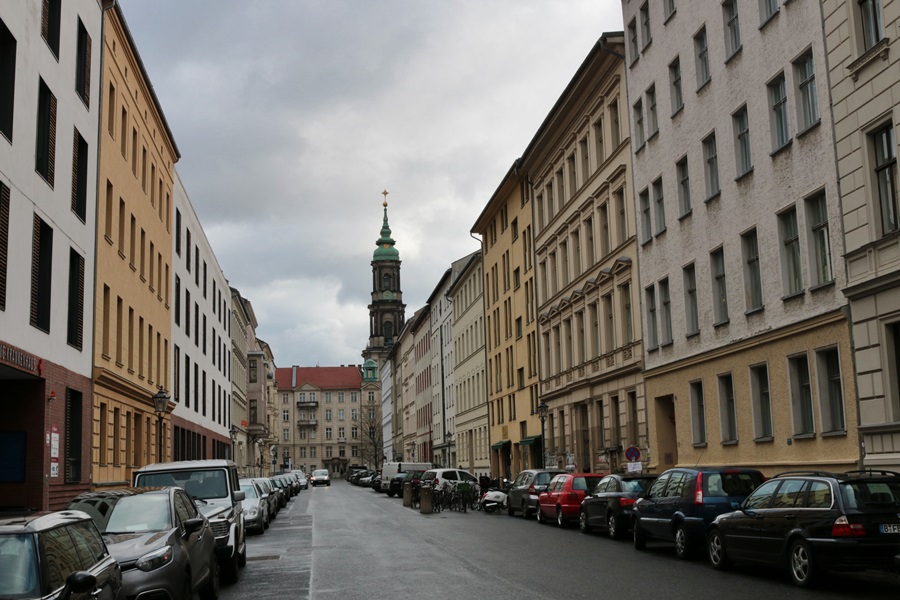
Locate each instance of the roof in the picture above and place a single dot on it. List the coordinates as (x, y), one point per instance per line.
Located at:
(344, 377)
(187, 465)
(40, 521)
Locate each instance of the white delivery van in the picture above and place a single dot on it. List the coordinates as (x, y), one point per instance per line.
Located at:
(389, 470)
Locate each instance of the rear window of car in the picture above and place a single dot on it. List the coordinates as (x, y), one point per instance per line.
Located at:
(429, 475)
(585, 483)
(732, 483)
(635, 485)
(543, 478)
(871, 496)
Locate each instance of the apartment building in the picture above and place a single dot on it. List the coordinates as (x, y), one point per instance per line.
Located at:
(246, 450)
(133, 318)
(49, 89)
(471, 418)
(420, 385)
(578, 167)
(747, 347)
(201, 310)
(863, 74)
(510, 321)
(389, 408)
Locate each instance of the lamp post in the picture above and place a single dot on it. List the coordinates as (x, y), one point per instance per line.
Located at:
(232, 431)
(543, 409)
(287, 460)
(160, 407)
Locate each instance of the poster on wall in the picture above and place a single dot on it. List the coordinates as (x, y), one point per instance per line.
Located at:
(12, 456)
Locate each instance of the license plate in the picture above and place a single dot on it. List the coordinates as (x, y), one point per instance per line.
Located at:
(890, 528)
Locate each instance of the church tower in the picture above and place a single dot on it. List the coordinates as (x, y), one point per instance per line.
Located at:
(386, 312)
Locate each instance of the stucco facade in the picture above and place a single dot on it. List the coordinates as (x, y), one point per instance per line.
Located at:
(746, 344)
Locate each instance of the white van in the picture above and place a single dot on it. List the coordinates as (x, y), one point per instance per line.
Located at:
(389, 470)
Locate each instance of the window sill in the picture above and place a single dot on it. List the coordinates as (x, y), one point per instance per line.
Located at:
(666, 344)
(108, 240)
(729, 442)
(653, 349)
(780, 148)
(143, 279)
(660, 232)
(692, 334)
(133, 268)
(105, 356)
(647, 241)
(685, 214)
(677, 111)
(712, 197)
(634, 61)
(769, 19)
(837, 433)
(744, 174)
(822, 286)
(753, 311)
(880, 49)
(665, 22)
(699, 444)
(121, 255)
(719, 324)
(794, 296)
(736, 52)
(646, 45)
(764, 440)
(804, 436)
(653, 135)
(811, 126)
(704, 85)
(639, 148)
(120, 364)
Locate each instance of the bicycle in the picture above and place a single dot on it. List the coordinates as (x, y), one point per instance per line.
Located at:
(414, 497)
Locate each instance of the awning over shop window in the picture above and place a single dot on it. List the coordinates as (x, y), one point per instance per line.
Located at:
(532, 439)
(498, 445)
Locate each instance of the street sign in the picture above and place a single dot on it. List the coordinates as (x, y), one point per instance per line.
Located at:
(633, 453)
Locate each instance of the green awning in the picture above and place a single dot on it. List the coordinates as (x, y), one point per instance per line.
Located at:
(532, 439)
(497, 445)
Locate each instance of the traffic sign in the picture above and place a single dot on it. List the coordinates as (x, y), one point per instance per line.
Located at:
(633, 453)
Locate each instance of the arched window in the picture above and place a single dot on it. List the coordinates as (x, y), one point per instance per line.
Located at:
(388, 332)
(387, 281)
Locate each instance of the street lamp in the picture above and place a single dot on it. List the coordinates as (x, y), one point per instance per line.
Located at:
(287, 457)
(160, 407)
(233, 432)
(543, 409)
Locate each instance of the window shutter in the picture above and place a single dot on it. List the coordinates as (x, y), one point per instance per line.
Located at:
(35, 268)
(4, 241)
(80, 304)
(45, 20)
(86, 92)
(75, 145)
(51, 150)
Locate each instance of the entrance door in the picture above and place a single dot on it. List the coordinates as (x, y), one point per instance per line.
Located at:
(667, 445)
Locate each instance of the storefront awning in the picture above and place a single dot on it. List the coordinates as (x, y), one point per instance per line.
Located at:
(498, 445)
(532, 439)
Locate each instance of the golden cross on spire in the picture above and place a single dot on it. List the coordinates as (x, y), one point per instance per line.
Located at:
(385, 194)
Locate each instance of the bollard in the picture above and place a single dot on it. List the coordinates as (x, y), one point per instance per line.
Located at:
(407, 494)
(425, 497)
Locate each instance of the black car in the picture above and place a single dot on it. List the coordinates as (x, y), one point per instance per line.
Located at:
(814, 521)
(43, 554)
(682, 502)
(396, 485)
(526, 487)
(610, 505)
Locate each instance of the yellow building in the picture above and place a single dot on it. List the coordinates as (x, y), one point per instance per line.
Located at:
(134, 253)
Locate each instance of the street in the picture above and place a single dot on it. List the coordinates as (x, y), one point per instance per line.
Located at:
(348, 542)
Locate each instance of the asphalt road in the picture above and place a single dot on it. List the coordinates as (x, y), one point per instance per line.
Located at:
(346, 542)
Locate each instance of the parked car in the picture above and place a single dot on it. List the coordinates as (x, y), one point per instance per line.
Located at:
(366, 478)
(320, 477)
(609, 506)
(281, 491)
(256, 506)
(811, 522)
(157, 535)
(525, 489)
(292, 483)
(213, 484)
(438, 478)
(391, 469)
(395, 487)
(562, 498)
(60, 566)
(270, 495)
(375, 484)
(682, 502)
(301, 479)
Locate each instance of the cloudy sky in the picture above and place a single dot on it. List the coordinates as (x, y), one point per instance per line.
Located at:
(292, 116)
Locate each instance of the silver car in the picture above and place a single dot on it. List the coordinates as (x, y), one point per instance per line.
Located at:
(156, 535)
(256, 506)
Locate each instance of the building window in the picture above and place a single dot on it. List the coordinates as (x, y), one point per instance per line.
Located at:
(711, 169)
(767, 10)
(598, 142)
(701, 50)
(83, 65)
(762, 403)
(817, 217)
(781, 133)
(872, 25)
(790, 252)
(801, 395)
(652, 333)
(807, 101)
(604, 230)
(45, 151)
(720, 290)
(830, 390)
(742, 157)
(652, 118)
(665, 305)
(614, 126)
(627, 325)
(886, 177)
(684, 186)
(285, 416)
(75, 316)
(646, 224)
(79, 176)
(727, 412)
(698, 413)
(633, 45)
(675, 85)
(251, 376)
(638, 117)
(73, 439)
(41, 274)
(327, 414)
(645, 24)
(621, 215)
(691, 316)
(660, 205)
(668, 8)
(50, 21)
(752, 279)
(732, 28)
(7, 80)
(4, 241)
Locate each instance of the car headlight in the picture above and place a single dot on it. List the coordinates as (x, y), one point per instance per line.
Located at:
(156, 559)
(252, 512)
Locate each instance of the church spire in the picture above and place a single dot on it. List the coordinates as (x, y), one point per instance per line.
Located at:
(385, 250)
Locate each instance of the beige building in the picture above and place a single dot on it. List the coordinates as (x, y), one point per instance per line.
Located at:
(133, 319)
(863, 78)
(511, 361)
(405, 388)
(747, 348)
(578, 167)
(245, 456)
(471, 415)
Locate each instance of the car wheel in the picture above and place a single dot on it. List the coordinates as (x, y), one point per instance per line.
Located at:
(390, 494)
(640, 541)
(612, 526)
(560, 521)
(231, 569)
(210, 590)
(583, 522)
(525, 512)
(540, 515)
(716, 546)
(801, 564)
(682, 547)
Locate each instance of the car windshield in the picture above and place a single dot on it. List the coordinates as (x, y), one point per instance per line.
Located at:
(320, 473)
(18, 571)
(871, 496)
(203, 483)
(127, 514)
(249, 490)
(636, 485)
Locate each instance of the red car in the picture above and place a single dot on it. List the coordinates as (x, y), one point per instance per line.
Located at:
(562, 500)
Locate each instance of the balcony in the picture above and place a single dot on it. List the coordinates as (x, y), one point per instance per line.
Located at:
(342, 440)
(307, 403)
(307, 422)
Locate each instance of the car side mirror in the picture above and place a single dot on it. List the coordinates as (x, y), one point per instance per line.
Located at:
(79, 582)
(193, 525)
(238, 495)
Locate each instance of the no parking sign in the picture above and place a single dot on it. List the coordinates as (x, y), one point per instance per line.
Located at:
(633, 454)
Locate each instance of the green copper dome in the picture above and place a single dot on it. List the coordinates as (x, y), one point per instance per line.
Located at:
(386, 250)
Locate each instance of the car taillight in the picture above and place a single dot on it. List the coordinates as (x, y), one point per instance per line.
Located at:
(435, 482)
(531, 489)
(623, 502)
(698, 489)
(844, 528)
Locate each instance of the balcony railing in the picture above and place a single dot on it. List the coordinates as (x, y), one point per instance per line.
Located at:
(307, 403)
(307, 422)
(342, 440)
